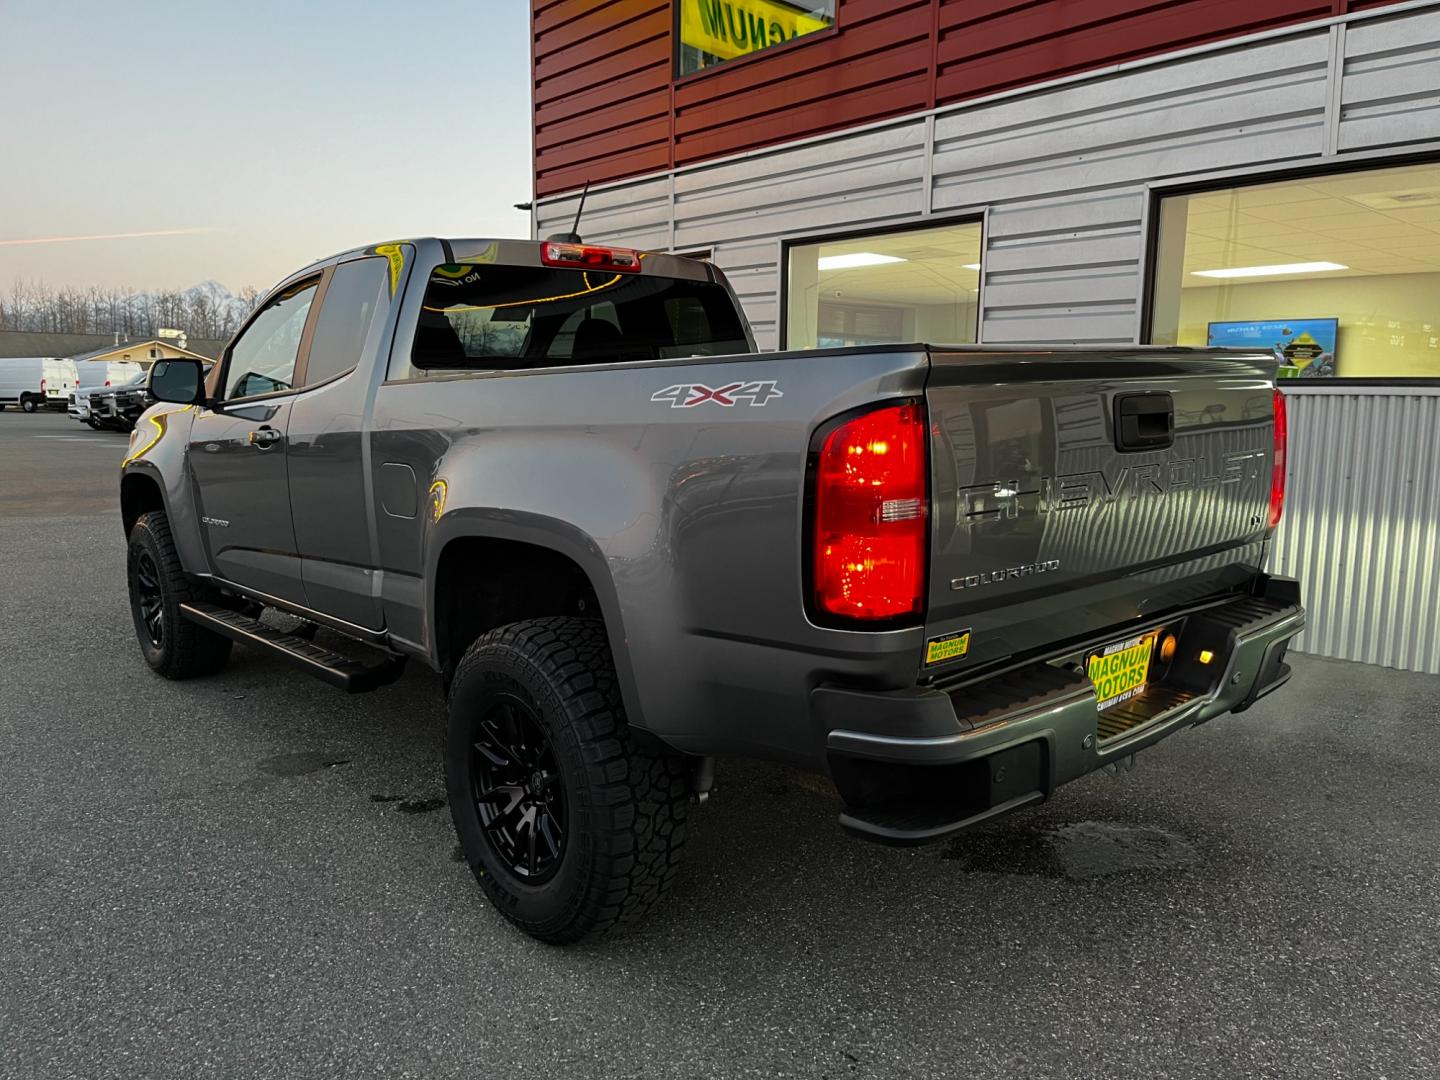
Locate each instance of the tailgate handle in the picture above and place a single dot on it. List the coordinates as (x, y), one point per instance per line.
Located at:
(1144, 421)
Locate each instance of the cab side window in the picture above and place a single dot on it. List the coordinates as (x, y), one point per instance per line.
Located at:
(262, 361)
(358, 290)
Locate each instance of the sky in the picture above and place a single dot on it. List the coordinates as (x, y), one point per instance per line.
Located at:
(239, 141)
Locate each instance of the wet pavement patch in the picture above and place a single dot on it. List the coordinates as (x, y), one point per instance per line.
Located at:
(419, 806)
(299, 764)
(1085, 849)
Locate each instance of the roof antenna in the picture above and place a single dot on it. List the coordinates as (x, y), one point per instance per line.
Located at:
(573, 236)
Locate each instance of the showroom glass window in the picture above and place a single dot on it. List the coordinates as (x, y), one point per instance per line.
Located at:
(1339, 274)
(714, 31)
(917, 285)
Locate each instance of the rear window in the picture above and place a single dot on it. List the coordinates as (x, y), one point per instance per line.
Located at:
(514, 317)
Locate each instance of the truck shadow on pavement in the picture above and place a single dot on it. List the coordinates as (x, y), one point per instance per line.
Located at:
(764, 852)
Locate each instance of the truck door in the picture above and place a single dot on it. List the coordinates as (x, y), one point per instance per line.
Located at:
(331, 504)
(238, 451)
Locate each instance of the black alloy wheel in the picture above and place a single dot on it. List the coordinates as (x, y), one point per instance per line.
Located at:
(519, 790)
(571, 824)
(172, 645)
(149, 598)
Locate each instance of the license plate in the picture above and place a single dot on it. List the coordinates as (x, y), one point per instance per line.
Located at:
(1119, 671)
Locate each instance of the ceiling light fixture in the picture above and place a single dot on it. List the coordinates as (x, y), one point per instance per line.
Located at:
(1271, 271)
(972, 266)
(855, 258)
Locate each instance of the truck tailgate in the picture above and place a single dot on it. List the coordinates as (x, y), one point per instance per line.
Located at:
(1049, 527)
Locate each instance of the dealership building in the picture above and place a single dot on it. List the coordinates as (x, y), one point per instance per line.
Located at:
(1102, 172)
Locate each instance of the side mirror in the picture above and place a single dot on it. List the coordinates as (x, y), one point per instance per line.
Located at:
(180, 381)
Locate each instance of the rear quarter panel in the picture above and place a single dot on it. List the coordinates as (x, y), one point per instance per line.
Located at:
(690, 517)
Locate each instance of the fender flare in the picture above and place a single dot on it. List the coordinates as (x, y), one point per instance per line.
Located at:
(554, 535)
(151, 473)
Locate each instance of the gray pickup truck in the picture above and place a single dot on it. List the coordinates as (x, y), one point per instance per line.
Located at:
(951, 578)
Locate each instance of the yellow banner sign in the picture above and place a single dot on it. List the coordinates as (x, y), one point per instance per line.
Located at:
(731, 28)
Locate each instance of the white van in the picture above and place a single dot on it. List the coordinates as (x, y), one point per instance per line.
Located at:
(34, 382)
(98, 374)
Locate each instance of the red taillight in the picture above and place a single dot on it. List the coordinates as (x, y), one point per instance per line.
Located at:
(871, 502)
(1277, 477)
(589, 257)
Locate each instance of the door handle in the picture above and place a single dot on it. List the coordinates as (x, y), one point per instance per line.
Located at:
(1144, 421)
(264, 438)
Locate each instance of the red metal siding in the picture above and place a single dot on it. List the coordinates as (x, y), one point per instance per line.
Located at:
(990, 45)
(602, 90)
(877, 65)
(605, 106)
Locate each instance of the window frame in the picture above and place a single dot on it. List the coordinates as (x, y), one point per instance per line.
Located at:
(934, 221)
(678, 79)
(1156, 192)
(412, 372)
(302, 374)
(221, 372)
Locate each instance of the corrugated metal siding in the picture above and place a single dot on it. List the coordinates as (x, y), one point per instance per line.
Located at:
(1362, 525)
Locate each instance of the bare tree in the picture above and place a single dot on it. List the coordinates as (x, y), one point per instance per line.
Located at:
(36, 306)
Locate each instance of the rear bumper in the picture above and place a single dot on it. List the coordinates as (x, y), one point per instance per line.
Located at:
(918, 765)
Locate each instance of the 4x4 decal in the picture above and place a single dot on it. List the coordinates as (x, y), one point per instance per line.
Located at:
(687, 395)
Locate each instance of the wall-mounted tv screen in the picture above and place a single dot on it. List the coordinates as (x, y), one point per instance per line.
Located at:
(1304, 347)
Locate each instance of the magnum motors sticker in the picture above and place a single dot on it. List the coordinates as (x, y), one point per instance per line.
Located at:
(950, 647)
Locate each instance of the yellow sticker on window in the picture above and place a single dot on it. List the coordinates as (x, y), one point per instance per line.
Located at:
(950, 647)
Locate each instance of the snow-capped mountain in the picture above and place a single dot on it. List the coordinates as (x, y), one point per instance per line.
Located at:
(221, 299)
(205, 310)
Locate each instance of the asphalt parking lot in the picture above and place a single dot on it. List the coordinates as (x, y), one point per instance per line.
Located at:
(253, 875)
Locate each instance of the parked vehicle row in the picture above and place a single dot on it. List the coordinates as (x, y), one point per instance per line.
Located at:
(102, 394)
(36, 382)
(115, 405)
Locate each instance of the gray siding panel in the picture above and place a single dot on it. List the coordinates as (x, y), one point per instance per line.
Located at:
(1391, 88)
(640, 219)
(875, 176)
(1361, 529)
(1098, 142)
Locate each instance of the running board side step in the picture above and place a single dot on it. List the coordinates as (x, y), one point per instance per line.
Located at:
(351, 675)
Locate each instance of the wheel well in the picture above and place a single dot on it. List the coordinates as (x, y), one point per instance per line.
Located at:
(482, 583)
(138, 495)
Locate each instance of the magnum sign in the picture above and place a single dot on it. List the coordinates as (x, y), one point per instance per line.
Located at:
(731, 28)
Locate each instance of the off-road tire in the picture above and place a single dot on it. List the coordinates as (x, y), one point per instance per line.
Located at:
(626, 803)
(184, 650)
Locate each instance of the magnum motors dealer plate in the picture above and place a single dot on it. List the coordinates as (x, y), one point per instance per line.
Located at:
(1119, 671)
